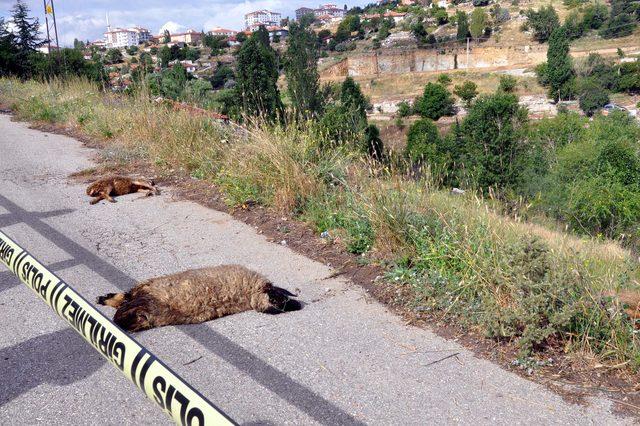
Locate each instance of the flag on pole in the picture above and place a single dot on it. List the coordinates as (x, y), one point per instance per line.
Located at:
(48, 9)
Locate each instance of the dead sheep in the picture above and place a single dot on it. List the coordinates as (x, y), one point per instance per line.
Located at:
(106, 188)
(196, 296)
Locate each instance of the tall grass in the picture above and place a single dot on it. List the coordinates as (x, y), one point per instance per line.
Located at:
(456, 255)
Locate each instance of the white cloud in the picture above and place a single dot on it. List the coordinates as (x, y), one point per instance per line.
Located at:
(173, 28)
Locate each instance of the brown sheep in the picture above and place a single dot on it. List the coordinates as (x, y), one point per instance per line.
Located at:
(105, 188)
(196, 296)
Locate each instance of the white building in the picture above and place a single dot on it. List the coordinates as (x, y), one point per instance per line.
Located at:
(222, 32)
(144, 34)
(262, 17)
(125, 37)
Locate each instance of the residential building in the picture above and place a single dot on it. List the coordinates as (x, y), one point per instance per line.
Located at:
(189, 37)
(121, 37)
(325, 12)
(144, 34)
(125, 37)
(222, 32)
(279, 32)
(331, 10)
(396, 16)
(304, 11)
(262, 17)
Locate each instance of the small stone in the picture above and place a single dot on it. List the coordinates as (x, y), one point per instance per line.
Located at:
(283, 242)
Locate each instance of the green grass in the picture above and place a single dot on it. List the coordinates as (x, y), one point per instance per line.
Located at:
(457, 255)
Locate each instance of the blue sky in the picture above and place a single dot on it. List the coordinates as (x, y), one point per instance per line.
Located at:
(87, 19)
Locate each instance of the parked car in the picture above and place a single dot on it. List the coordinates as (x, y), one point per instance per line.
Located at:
(609, 108)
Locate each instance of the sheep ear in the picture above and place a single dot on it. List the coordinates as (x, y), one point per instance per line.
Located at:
(283, 292)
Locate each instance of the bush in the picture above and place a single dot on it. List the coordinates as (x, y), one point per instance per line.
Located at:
(591, 96)
(508, 83)
(594, 16)
(444, 79)
(573, 26)
(596, 68)
(422, 142)
(618, 26)
(404, 109)
(542, 76)
(373, 143)
(436, 102)
(493, 141)
(543, 22)
(594, 184)
(467, 92)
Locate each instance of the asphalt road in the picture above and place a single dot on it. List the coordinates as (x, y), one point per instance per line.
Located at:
(343, 359)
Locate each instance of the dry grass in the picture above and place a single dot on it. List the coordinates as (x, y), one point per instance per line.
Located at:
(511, 279)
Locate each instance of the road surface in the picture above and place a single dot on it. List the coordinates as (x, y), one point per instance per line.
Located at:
(343, 359)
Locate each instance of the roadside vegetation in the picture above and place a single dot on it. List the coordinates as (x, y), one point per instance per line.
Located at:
(460, 256)
(532, 252)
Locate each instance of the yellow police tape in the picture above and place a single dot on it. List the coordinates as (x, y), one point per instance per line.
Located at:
(181, 402)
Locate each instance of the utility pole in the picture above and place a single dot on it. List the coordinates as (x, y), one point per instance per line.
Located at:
(49, 10)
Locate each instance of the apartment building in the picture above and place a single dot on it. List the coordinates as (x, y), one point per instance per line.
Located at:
(125, 37)
(262, 17)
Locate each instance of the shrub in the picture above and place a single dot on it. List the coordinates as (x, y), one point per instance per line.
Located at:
(444, 79)
(594, 16)
(422, 141)
(594, 184)
(508, 83)
(404, 109)
(492, 139)
(467, 91)
(436, 102)
(591, 96)
(542, 76)
(543, 22)
(573, 26)
(373, 143)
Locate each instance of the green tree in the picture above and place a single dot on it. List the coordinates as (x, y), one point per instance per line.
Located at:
(174, 81)
(113, 56)
(574, 26)
(222, 74)
(78, 44)
(166, 37)
(594, 16)
(26, 37)
(543, 22)
(301, 69)
(197, 89)
(423, 141)
(435, 102)
(479, 21)
(419, 32)
(508, 83)
(492, 138)
(8, 51)
(467, 91)
(559, 65)
(351, 97)
(463, 26)
(591, 96)
(257, 78)
(262, 34)
(164, 56)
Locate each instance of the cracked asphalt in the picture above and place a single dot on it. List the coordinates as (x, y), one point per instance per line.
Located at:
(343, 359)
